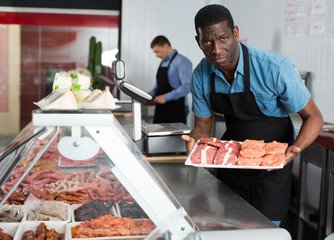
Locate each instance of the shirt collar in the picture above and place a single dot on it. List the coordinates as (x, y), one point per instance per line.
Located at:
(170, 56)
(240, 66)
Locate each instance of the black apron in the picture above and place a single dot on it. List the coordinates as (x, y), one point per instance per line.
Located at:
(172, 111)
(269, 192)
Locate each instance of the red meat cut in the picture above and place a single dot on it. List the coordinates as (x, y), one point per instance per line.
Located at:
(273, 160)
(227, 154)
(252, 144)
(212, 141)
(275, 148)
(249, 161)
(204, 154)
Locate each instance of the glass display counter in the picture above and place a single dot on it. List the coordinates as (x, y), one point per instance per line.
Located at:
(80, 174)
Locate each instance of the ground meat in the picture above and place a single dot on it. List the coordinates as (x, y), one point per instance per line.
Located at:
(252, 152)
(275, 148)
(212, 141)
(273, 160)
(252, 144)
(249, 161)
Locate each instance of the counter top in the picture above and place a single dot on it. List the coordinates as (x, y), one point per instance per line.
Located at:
(210, 204)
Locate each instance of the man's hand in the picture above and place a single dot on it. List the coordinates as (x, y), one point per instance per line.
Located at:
(291, 153)
(190, 143)
(160, 99)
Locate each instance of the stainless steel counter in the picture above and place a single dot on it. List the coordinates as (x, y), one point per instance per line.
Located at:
(211, 204)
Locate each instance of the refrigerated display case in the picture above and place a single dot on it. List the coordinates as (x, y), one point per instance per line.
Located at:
(87, 161)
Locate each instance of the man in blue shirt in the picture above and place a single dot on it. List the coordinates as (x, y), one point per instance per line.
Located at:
(255, 90)
(173, 83)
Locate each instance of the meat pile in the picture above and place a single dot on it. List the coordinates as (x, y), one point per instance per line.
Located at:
(212, 151)
(258, 153)
(5, 236)
(43, 233)
(109, 226)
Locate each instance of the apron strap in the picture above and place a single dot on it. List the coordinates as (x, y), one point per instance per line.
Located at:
(246, 67)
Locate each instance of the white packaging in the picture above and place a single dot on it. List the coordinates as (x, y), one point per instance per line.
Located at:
(98, 100)
(62, 81)
(80, 81)
(80, 95)
(58, 100)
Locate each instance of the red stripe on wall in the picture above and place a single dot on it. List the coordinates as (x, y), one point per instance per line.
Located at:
(47, 19)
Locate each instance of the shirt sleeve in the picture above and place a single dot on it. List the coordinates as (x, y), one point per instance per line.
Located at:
(201, 106)
(153, 91)
(292, 91)
(184, 72)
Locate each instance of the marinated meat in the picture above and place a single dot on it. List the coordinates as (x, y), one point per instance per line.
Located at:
(204, 154)
(108, 226)
(28, 235)
(252, 144)
(212, 141)
(273, 160)
(92, 210)
(249, 161)
(227, 154)
(5, 236)
(252, 152)
(275, 148)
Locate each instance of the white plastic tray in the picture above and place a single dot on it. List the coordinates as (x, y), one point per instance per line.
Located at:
(188, 162)
(60, 227)
(9, 228)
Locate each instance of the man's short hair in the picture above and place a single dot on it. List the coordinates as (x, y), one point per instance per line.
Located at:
(213, 14)
(159, 41)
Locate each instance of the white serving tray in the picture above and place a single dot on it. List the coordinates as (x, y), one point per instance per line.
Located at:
(9, 228)
(59, 226)
(188, 162)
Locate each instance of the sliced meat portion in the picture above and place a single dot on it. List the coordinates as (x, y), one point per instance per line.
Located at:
(273, 160)
(228, 153)
(249, 161)
(252, 152)
(224, 157)
(275, 148)
(212, 141)
(252, 144)
(204, 154)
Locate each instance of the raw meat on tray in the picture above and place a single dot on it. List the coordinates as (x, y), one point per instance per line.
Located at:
(254, 153)
(204, 154)
(212, 141)
(227, 154)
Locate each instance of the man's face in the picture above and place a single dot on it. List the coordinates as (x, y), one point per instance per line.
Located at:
(219, 44)
(161, 52)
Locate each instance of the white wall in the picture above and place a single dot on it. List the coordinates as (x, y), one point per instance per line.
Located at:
(261, 22)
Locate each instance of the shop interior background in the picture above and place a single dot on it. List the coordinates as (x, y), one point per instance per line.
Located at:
(262, 23)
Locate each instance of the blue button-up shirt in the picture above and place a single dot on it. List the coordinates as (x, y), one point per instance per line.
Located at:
(274, 81)
(179, 77)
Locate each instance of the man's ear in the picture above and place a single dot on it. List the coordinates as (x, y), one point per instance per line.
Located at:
(197, 40)
(236, 32)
